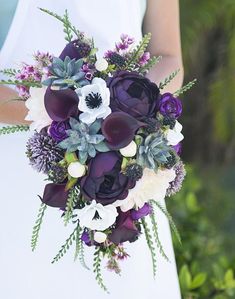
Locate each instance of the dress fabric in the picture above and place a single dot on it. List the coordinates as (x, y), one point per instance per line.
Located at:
(27, 275)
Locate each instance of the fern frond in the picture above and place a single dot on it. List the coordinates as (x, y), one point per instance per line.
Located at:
(65, 247)
(138, 51)
(97, 270)
(71, 202)
(150, 243)
(81, 257)
(156, 236)
(152, 61)
(37, 226)
(13, 129)
(9, 72)
(68, 27)
(185, 88)
(21, 83)
(169, 217)
(168, 79)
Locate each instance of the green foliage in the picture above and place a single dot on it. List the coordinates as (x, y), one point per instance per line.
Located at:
(149, 239)
(71, 202)
(185, 88)
(152, 61)
(97, 269)
(65, 247)
(13, 129)
(37, 226)
(168, 79)
(9, 72)
(22, 83)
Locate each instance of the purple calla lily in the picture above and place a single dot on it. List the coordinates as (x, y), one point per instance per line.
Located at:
(55, 195)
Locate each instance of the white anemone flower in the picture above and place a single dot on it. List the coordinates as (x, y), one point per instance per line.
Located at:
(152, 185)
(94, 100)
(97, 217)
(174, 136)
(37, 112)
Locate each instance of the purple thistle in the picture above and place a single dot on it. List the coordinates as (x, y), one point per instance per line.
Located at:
(43, 152)
(176, 185)
(144, 58)
(43, 59)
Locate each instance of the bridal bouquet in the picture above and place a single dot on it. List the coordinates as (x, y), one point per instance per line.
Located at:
(107, 140)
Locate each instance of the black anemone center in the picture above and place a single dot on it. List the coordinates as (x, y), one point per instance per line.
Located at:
(96, 216)
(93, 100)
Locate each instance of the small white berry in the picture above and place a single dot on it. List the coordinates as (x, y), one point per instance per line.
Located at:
(101, 64)
(100, 237)
(130, 150)
(76, 169)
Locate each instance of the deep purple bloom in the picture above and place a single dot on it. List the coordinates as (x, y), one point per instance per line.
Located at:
(119, 129)
(57, 130)
(104, 181)
(61, 104)
(125, 229)
(55, 195)
(133, 94)
(170, 105)
(178, 148)
(76, 49)
(142, 212)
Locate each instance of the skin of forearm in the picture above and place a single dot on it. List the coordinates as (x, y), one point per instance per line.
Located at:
(163, 69)
(11, 111)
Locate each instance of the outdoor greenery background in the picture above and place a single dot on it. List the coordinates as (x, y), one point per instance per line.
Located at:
(205, 209)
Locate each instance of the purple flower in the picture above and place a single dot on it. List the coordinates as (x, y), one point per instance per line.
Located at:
(178, 148)
(119, 129)
(55, 195)
(125, 229)
(142, 212)
(170, 105)
(57, 130)
(76, 49)
(61, 104)
(133, 94)
(104, 181)
(144, 58)
(176, 185)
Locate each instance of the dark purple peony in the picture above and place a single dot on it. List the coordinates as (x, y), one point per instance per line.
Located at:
(76, 49)
(57, 130)
(55, 195)
(170, 105)
(104, 181)
(61, 104)
(125, 229)
(142, 212)
(119, 129)
(133, 94)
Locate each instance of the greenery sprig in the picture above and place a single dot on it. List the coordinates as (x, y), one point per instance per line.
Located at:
(10, 72)
(21, 83)
(152, 61)
(169, 217)
(65, 247)
(71, 202)
(156, 236)
(13, 129)
(149, 239)
(97, 269)
(37, 226)
(168, 79)
(185, 88)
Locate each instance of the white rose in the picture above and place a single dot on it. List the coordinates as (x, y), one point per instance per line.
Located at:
(37, 112)
(76, 169)
(130, 150)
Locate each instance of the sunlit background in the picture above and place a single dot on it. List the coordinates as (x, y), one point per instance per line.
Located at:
(205, 209)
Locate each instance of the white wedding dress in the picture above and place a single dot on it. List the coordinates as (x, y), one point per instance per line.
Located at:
(27, 275)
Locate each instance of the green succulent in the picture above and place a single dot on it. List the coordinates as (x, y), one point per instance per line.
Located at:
(66, 73)
(84, 139)
(153, 151)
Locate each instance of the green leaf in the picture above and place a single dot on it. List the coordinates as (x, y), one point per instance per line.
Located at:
(37, 226)
(185, 88)
(97, 269)
(13, 129)
(198, 281)
(168, 79)
(185, 278)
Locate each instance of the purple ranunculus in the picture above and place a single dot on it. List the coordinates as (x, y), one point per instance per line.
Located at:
(55, 195)
(76, 49)
(119, 129)
(57, 130)
(61, 104)
(142, 212)
(170, 105)
(125, 229)
(133, 94)
(104, 181)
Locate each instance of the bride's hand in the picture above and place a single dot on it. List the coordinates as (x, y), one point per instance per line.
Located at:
(11, 111)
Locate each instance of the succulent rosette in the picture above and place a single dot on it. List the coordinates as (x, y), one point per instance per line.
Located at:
(107, 140)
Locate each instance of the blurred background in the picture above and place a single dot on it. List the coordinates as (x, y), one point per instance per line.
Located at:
(205, 209)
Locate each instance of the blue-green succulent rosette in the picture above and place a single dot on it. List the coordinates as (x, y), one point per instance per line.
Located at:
(108, 142)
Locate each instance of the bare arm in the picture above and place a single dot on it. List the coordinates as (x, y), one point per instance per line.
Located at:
(11, 112)
(162, 20)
